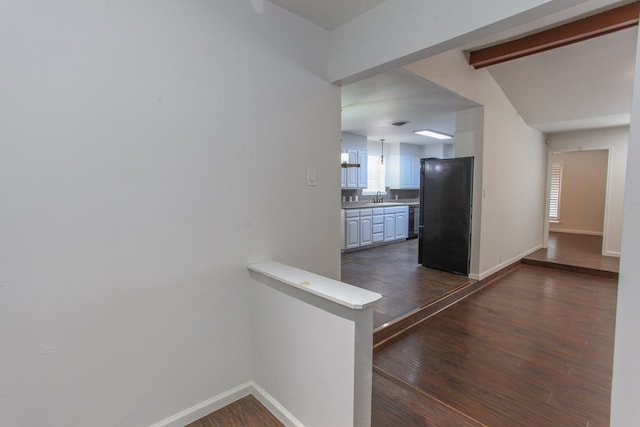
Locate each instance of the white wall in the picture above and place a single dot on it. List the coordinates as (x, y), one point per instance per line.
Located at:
(441, 151)
(512, 162)
(625, 410)
(354, 142)
(150, 151)
(616, 141)
(314, 356)
(468, 142)
(374, 148)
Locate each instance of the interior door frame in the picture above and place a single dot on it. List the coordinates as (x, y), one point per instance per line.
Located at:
(607, 195)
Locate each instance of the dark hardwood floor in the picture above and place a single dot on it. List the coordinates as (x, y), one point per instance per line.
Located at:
(245, 412)
(575, 252)
(532, 348)
(535, 348)
(393, 271)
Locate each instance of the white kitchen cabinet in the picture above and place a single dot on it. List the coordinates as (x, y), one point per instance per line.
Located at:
(377, 227)
(389, 227)
(396, 223)
(404, 172)
(352, 233)
(401, 225)
(416, 167)
(355, 177)
(363, 160)
(414, 172)
(352, 173)
(366, 227)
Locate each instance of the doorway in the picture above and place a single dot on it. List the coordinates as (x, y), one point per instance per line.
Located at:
(580, 181)
(577, 210)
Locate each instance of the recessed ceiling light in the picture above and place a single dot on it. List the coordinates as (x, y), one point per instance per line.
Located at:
(432, 134)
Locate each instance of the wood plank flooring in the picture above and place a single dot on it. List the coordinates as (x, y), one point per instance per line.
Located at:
(245, 412)
(394, 403)
(535, 348)
(575, 252)
(393, 271)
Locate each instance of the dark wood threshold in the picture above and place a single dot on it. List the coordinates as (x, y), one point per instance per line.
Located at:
(571, 268)
(389, 330)
(411, 405)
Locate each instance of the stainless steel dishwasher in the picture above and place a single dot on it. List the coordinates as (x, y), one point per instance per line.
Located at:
(414, 221)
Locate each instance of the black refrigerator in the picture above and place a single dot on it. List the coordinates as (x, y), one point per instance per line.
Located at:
(446, 191)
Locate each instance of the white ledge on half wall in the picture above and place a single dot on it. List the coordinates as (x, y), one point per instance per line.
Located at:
(333, 290)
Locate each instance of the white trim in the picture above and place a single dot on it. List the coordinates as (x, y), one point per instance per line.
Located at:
(203, 409)
(279, 411)
(607, 201)
(221, 400)
(587, 232)
(608, 191)
(505, 264)
(611, 253)
(341, 293)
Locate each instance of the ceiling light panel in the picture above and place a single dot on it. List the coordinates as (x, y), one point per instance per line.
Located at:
(432, 134)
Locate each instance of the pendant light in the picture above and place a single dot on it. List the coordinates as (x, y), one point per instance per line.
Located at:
(382, 151)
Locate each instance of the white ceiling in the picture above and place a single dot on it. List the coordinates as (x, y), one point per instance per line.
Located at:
(583, 85)
(329, 14)
(371, 105)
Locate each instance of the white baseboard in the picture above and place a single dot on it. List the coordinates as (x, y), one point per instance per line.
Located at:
(611, 253)
(221, 400)
(505, 264)
(202, 409)
(588, 233)
(275, 407)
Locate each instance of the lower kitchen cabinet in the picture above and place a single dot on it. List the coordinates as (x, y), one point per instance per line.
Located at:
(352, 229)
(377, 228)
(396, 223)
(366, 227)
(389, 227)
(402, 225)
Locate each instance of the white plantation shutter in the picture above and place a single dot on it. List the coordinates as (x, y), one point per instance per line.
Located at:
(554, 192)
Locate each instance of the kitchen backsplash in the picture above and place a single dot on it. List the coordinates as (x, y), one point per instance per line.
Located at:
(391, 195)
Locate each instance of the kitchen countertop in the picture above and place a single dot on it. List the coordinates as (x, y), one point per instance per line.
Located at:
(369, 204)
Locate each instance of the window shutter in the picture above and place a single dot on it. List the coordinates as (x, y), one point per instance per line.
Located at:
(554, 192)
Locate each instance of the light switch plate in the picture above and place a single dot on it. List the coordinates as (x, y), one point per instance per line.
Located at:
(311, 175)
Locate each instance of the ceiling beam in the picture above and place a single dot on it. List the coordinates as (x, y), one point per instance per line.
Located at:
(593, 26)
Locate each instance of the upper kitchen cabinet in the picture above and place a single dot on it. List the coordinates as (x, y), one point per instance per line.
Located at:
(404, 166)
(355, 177)
(363, 159)
(355, 146)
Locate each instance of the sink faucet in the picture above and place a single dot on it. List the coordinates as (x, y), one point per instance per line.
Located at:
(377, 198)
